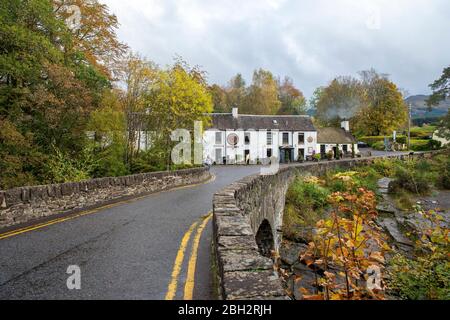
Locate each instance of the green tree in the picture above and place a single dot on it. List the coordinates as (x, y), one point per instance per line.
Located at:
(441, 92)
(108, 127)
(441, 88)
(46, 93)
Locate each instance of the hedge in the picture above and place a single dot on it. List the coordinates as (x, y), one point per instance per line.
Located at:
(371, 140)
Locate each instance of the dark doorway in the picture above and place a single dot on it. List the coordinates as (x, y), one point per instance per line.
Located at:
(323, 150)
(286, 155)
(301, 154)
(345, 148)
(264, 239)
(335, 151)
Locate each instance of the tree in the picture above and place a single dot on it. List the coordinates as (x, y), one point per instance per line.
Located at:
(220, 98)
(177, 99)
(441, 92)
(45, 94)
(262, 97)
(292, 99)
(236, 92)
(95, 35)
(138, 74)
(340, 100)
(441, 88)
(385, 110)
(108, 126)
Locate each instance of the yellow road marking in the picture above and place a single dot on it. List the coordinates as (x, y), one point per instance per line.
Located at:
(190, 280)
(16, 232)
(172, 288)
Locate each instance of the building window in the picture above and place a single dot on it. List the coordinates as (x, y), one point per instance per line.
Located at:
(247, 138)
(301, 138)
(218, 137)
(285, 138)
(269, 153)
(269, 138)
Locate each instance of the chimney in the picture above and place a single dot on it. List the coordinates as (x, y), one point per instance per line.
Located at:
(345, 125)
(235, 113)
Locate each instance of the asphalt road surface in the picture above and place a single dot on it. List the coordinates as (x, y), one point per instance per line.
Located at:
(124, 252)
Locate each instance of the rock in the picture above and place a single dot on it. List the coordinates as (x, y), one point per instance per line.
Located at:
(385, 207)
(305, 281)
(290, 251)
(391, 226)
(384, 183)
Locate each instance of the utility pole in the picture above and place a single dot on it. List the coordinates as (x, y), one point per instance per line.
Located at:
(409, 125)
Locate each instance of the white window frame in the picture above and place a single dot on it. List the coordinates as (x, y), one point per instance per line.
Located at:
(218, 134)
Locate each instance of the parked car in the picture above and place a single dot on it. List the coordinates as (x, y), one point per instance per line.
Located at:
(362, 145)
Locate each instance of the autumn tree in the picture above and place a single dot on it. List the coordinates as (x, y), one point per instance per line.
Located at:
(292, 99)
(340, 100)
(138, 75)
(262, 97)
(45, 94)
(236, 92)
(385, 109)
(177, 99)
(220, 98)
(94, 34)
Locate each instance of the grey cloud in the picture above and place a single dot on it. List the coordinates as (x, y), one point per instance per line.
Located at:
(311, 41)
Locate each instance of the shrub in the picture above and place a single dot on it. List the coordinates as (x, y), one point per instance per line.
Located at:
(441, 165)
(305, 203)
(384, 167)
(370, 140)
(408, 176)
(419, 145)
(426, 276)
(307, 194)
(379, 145)
(65, 167)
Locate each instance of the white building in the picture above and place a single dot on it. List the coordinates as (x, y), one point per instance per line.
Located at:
(234, 138)
(331, 139)
(442, 140)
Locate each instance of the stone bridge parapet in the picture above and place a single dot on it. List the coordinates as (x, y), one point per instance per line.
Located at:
(23, 204)
(244, 213)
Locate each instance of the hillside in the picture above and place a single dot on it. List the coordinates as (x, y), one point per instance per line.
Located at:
(420, 108)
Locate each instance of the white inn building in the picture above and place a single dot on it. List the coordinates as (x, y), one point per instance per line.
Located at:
(235, 138)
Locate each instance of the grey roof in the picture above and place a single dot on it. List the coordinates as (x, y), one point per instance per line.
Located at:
(334, 135)
(225, 121)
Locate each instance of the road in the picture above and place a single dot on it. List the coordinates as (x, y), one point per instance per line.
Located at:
(123, 252)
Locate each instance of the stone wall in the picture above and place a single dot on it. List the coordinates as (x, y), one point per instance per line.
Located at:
(245, 271)
(23, 204)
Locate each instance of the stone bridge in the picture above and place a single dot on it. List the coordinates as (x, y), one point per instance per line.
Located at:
(247, 225)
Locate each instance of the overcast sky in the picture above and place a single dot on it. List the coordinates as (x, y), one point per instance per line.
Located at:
(311, 41)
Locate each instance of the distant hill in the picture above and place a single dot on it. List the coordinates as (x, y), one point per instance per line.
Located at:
(420, 108)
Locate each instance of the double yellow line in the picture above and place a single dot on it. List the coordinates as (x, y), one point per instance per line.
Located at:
(190, 279)
(16, 232)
